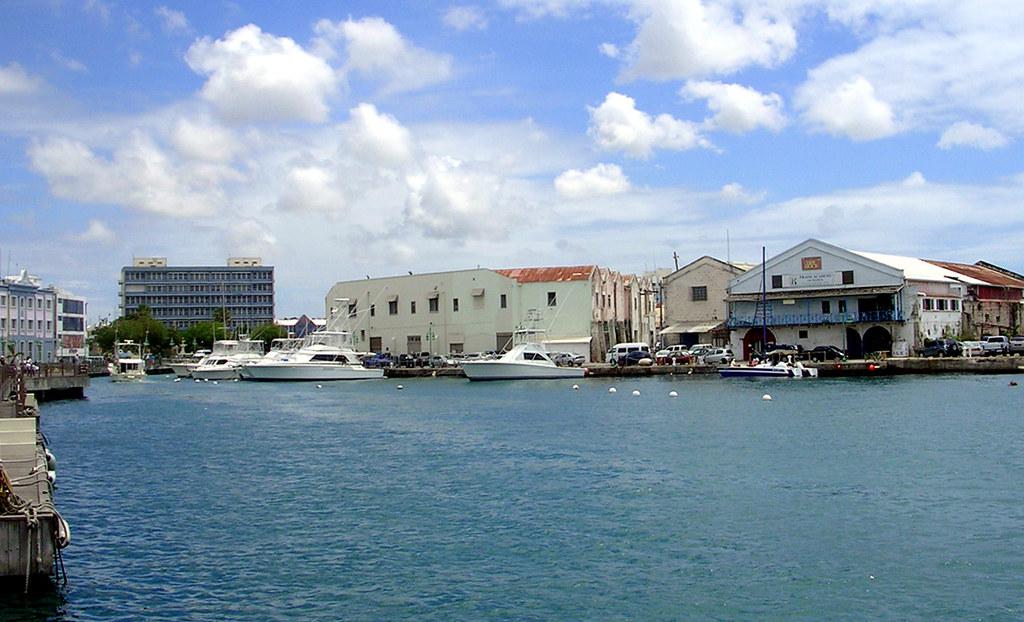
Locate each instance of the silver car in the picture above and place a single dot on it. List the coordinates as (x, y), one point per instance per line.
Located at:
(718, 356)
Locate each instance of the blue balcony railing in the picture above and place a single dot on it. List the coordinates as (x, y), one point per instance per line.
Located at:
(804, 319)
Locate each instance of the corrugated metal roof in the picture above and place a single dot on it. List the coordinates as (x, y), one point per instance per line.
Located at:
(915, 269)
(548, 275)
(981, 273)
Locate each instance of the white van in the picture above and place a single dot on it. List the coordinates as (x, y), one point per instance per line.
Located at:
(625, 348)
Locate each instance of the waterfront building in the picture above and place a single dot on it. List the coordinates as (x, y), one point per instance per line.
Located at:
(820, 294)
(28, 317)
(181, 296)
(582, 308)
(71, 322)
(995, 304)
(695, 307)
(301, 326)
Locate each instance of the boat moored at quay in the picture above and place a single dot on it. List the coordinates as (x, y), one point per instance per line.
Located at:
(527, 360)
(227, 358)
(325, 355)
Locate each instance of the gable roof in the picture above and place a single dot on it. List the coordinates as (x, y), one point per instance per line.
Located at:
(920, 270)
(982, 273)
(735, 268)
(550, 274)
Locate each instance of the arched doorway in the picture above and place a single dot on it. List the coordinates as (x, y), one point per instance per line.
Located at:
(854, 347)
(877, 339)
(752, 341)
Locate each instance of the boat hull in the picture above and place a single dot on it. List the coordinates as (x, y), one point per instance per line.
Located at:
(768, 372)
(307, 372)
(502, 370)
(220, 372)
(182, 370)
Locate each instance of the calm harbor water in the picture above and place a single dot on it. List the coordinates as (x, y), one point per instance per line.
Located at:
(882, 498)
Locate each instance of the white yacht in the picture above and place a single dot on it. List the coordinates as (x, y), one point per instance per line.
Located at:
(528, 359)
(324, 355)
(227, 358)
(183, 367)
(128, 365)
(767, 369)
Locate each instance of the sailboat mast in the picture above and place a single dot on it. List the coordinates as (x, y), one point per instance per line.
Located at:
(764, 305)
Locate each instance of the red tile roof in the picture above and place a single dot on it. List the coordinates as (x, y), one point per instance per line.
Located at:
(547, 275)
(990, 276)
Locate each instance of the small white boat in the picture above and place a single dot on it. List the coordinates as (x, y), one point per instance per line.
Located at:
(183, 368)
(767, 369)
(227, 358)
(325, 355)
(128, 365)
(527, 360)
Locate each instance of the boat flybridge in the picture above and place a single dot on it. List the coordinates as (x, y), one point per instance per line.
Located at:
(528, 359)
(227, 358)
(324, 355)
(128, 365)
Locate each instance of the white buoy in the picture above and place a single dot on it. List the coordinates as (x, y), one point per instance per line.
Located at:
(689, 373)
(673, 394)
(319, 386)
(575, 387)
(198, 380)
(611, 390)
(177, 379)
(215, 382)
(235, 380)
(206, 379)
(399, 387)
(635, 393)
(766, 397)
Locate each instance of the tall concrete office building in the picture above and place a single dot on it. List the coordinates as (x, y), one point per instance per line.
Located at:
(181, 296)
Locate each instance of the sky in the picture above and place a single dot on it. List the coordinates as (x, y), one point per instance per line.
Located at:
(340, 140)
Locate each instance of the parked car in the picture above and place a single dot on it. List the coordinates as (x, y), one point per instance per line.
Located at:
(1016, 345)
(972, 348)
(672, 355)
(699, 350)
(620, 349)
(562, 359)
(437, 360)
(718, 356)
(633, 358)
(995, 344)
(769, 348)
(940, 348)
(406, 360)
(826, 353)
(379, 360)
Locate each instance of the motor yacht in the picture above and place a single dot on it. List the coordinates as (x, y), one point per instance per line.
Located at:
(128, 365)
(227, 358)
(183, 367)
(767, 369)
(324, 355)
(528, 359)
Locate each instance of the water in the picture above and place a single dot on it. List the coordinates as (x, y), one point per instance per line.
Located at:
(884, 498)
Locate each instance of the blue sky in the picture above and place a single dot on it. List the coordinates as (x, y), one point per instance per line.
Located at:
(344, 139)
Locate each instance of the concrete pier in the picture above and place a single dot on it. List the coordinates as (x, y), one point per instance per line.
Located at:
(55, 381)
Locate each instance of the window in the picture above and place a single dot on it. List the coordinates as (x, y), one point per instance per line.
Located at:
(928, 304)
(362, 335)
(842, 306)
(826, 307)
(941, 304)
(30, 303)
(552, 299)
(373, 310)
(352, 310)
(393, 307)
(504, 301)
(954, 305)
(847, 277)
(432, 305)
(456, 348)
(455, 305)
(699, 293)
(802, 334)
(776, 281)
(412, 307)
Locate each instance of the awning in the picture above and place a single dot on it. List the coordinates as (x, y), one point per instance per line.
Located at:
(836, 292)
(691, 327)
(479, 291)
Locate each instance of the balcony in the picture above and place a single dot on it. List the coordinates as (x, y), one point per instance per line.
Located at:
(811, 319)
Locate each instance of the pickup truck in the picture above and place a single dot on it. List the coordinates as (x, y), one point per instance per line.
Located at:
(995, 344)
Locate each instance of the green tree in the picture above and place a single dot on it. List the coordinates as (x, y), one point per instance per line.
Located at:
(202, 335)
(138, 328)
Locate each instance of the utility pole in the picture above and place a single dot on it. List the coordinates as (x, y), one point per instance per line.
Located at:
(675, 259)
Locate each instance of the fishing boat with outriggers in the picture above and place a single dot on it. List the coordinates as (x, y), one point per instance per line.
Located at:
(227, 358)
(527, 360)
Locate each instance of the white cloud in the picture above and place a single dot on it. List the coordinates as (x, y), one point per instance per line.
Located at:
(254, 76)
(736, 193)
(71, 64)
(377, 51)
(738, 109)
(139, 176)
(16, 81)
(449, 200)
(609, 49)
(617, 125)
(378, 138)
(964, 134)
(312, 189)
(173, 21)
(851, 109)
(693, 38)
(97, 232)
(464, 18)
(914, 180)
(532, 9)
(203, 141)
(603, 179)
(98, 8)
